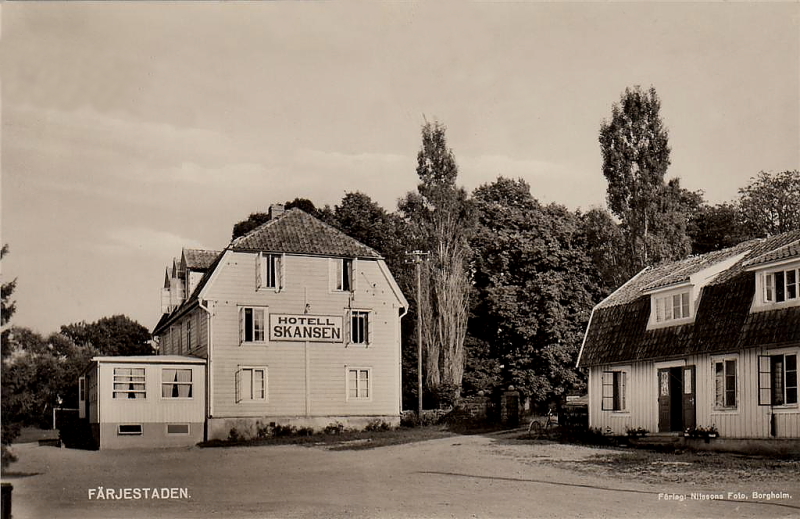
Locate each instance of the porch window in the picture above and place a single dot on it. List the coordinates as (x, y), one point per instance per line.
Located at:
(176, 383)
(614, 391)
(725, 384)
(777, 379)
(129, 383)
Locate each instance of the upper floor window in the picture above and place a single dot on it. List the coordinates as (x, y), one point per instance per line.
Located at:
(343, 274)
(189, 333)
(671, 307)
(129, 383)
(176, 383)
(781, 285)
(359, 327)
(252, 324)
(269, 271)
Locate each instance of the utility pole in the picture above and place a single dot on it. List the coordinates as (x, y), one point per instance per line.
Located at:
(417, 257)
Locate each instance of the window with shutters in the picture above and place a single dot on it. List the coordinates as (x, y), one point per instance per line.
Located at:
(252, 325)
(777, 379)
(725, 383)
(614, 390)
(270, 271)
(343, 274)
(359, 382)
(251, 384)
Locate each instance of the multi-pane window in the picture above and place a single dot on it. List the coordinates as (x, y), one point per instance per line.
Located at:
(359, 327)
(251, 384)
(358, 384)
(614, 390)
(777, 379)
(725, 384)
(252, 326)
(129, 383)
(675, 306)
(782, 285)
(176, 383)
(269, 271)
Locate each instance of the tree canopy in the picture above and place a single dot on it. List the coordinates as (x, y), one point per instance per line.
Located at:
(115, 335)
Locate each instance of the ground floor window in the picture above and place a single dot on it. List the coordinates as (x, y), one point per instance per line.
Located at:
(251, 384)
(177, 428)
(129, 383)
(614, 391)
(124, 429)
(725, 384)
(359, 384)
(777, 379)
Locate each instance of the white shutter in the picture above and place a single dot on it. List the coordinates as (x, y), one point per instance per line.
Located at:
(238, 385)
(241, 325)
(368, 326)
(348, 327)
(331, 274)
(281, 273)
(259, 277)
(354, 275)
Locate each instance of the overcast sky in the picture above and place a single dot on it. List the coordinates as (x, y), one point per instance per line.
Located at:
(130, 130)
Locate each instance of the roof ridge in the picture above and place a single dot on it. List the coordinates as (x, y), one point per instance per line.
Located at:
(264, 225)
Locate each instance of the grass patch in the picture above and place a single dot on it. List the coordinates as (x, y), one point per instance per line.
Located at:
(688, 467)
(344, 440)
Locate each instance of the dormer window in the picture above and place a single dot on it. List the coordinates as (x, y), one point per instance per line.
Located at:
(269, 271)
(671, 307)
(343, 274)
(781, 285)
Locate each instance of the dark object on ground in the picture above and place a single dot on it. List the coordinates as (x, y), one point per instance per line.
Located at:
(6, 500)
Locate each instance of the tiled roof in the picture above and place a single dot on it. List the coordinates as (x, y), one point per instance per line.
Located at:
(199, 259)
(297, 232)
(618, 329)
(788, 251)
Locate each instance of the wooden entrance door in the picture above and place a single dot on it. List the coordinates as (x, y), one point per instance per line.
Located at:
(677, 398)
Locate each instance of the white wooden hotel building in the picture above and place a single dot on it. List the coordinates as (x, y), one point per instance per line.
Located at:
(299, 325)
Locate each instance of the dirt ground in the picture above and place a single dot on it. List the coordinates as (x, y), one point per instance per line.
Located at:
(490, 476)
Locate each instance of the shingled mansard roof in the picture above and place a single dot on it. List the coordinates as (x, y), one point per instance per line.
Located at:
(723, 322)
(292, 232)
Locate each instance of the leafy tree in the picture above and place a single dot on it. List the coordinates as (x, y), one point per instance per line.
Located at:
(245, 226)
(717, 227)
(604, 240)
(441, 221)
(769, 204)
(7, 305)
(635, 149)
(535, 288)
(115, 335)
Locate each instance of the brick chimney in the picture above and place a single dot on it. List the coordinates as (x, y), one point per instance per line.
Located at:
(275, 210)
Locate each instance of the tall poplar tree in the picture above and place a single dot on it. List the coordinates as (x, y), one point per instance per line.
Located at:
(635, 148)
(441, 221)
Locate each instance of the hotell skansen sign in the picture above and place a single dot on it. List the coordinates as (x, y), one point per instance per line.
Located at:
(314, 328)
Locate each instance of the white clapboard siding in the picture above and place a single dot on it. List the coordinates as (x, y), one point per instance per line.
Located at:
(747, 420)
(306, 281)
(153, 408)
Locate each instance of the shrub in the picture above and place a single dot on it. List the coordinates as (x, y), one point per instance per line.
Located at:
(234, 436)
(377, 425)
(305, 431)
(334, 428)
(283, 430)
(263, 430)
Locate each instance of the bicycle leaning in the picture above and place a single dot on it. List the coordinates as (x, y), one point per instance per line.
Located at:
(541, 426)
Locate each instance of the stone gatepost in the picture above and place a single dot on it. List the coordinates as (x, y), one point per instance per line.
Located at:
(509, 408)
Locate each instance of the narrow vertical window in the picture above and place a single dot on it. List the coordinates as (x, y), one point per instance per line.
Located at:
(780, 287)
(769, 288)
(189, 334)
(359, 327)
(777, 380)
(791, 379)
(253, 325)
(685, 304)
(791, 284)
